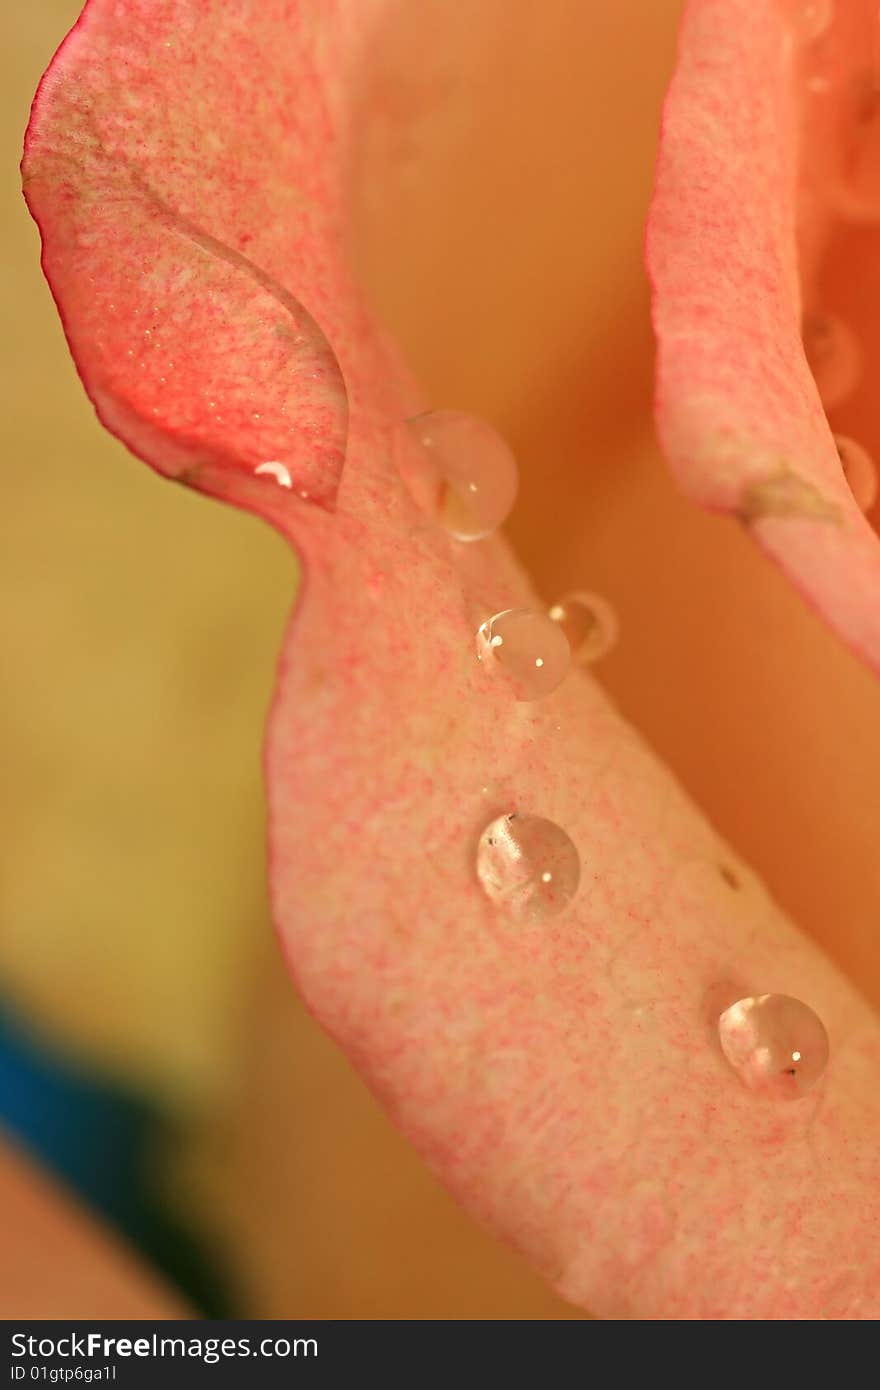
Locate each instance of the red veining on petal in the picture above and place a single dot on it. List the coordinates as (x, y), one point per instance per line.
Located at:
(171, 245)
(740, 243)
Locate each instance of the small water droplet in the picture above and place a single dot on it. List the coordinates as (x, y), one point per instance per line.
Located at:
(273, 469)
(811, 18)
(589, 623)
(525, 650)
(859, 471)
(461, 472)
(854, 186)
(775, 1043)
(528, 866)
(834, 357)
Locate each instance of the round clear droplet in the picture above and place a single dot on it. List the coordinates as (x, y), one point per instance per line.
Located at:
(811, 18)
(589, 623)
(525, 651)
(460, 471)
(834, 357)
(528, 866)
(775, 1044)
(859, 470)
(853, 186)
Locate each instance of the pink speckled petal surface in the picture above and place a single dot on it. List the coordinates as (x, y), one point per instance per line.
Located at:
(738, 412)
(564, 1077)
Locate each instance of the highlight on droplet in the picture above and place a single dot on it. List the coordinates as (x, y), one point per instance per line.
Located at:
(273, 469)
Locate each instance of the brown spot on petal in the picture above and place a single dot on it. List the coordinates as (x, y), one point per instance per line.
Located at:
(786, 494)
(729, 876)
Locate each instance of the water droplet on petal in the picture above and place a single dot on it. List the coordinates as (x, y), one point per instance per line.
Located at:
(775, 1043)
(859, 471)
(811, 18)
(854, 186)
(461, 471)
(528, 866)
(525, 650)
(834, 357)
(589, 623)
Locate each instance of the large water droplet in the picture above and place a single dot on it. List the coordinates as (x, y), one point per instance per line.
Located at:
(834, 357)
(859, 471)
(589, 623)
(528, 866)
(178, 363)
(775, 1043)
(811, 18)
(525, 650)
(854, 186)
(460, 471)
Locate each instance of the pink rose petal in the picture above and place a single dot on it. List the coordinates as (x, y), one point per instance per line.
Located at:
(738, 242)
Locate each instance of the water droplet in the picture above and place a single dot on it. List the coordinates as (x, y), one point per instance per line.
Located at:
(854, 186)
(859, 471)
(589, 623)
(525, 650)
(811, 18)
(273, 469)
(834, 357)
(775, 1043)
(528, 866)
(461, 471)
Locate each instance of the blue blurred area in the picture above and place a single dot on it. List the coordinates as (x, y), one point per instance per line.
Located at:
(102, 1141)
